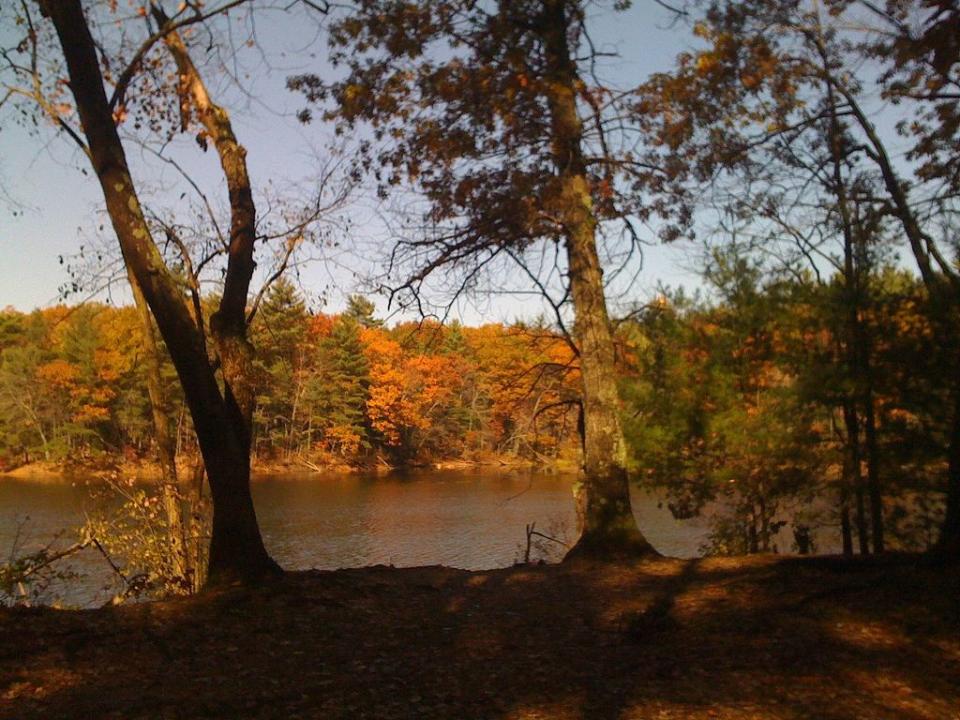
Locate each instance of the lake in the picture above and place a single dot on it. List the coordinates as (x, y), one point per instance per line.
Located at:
(466, 519)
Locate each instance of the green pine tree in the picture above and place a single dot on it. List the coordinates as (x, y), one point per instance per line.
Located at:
(361, 309)
(280, 333)
(340, 388)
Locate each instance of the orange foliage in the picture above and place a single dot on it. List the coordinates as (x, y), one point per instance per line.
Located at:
(406, 392)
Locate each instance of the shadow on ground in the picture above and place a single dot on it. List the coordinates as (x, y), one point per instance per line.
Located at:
(724, 638)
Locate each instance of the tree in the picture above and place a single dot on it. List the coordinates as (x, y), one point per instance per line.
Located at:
(672, 387)
(221, 418)
(488, 111)
(918, 40)
(25, 418)
(338, 392)
(362, 311)
(280, 328)
(799, 98)
(721, 413)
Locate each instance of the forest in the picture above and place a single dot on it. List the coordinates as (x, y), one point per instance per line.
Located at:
(376, 236)
(742, 407)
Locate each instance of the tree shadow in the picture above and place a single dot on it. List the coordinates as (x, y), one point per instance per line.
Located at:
(758, 638)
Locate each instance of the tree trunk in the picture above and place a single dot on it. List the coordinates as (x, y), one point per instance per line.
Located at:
(853, 476)
(228, 325)
(856, 354)
(609, 527)
(949, 540)
(873, 470)
(236, 549)
(764, 522)
(846, 532)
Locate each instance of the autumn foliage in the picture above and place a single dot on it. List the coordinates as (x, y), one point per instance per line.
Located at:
(733, 408)
(336, 389)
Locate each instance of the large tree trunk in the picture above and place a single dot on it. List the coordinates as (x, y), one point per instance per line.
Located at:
(608, 525)
(608, 522)
(236, 550)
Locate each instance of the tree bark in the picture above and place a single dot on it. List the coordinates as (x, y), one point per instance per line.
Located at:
(609, 528)
(228, 325)
(236, 548)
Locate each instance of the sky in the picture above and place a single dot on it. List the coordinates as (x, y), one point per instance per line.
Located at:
(50, 203)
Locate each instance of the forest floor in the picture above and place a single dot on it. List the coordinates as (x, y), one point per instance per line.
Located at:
(758, 638)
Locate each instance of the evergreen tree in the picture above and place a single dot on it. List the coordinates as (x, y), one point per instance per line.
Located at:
(12, 329)
(337, 394)
(280, 330)
(361, 309)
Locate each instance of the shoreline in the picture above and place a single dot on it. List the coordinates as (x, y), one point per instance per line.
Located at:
(148, 472)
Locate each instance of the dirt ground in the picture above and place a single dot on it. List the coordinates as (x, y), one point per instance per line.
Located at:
(720, 638)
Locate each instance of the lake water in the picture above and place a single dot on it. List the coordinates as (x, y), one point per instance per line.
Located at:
(473, 520)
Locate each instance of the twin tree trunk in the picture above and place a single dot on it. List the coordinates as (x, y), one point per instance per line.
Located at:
(219, 418)
(608, 525)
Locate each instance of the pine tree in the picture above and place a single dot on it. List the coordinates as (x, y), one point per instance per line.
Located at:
(337, 394)
(280, 329)
(361, 309)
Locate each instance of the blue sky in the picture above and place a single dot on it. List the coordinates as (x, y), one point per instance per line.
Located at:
(59, 207)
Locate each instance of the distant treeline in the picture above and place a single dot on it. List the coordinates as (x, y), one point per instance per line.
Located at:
(770, 406)
(332, 388)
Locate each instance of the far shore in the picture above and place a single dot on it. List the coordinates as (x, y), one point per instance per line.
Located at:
(148, 471)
